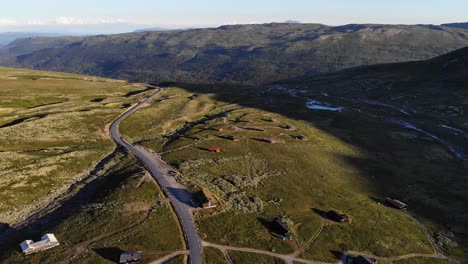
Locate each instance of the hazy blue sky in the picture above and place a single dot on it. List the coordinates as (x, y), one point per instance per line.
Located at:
(216, 12)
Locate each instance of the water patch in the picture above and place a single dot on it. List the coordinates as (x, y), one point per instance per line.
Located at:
(458, 153)
(314, 105)
(458, 131)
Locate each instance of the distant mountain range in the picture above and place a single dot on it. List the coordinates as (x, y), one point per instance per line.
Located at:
(457, 25)
(151, 29)
(251, 54)
(8, 37)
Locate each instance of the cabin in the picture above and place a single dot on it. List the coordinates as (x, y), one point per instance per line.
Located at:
(269, 140)
(130, 257)
(396, 203)
(219, 129)
(364, 260)
(207, 199)
(47, 241)
(288, 127)
(233, 138)
(283, 231)
(301, 137)
(338, 217)
(215, 150)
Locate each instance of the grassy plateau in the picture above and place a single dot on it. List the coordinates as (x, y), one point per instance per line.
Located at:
(54, 147)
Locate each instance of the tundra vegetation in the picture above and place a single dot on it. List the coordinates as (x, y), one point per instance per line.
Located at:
(121, 210)
(52, 134)
(332, 167)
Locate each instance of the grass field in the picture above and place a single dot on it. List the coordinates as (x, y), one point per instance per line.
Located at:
(213, 256)
(125, 212)
(52, 134)
(342, 164)
(244, 257)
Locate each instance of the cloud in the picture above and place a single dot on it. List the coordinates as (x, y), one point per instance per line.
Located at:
(7, 22)
(87, 21)
(36, 22)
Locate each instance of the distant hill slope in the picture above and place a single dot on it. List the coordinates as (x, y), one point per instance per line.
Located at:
(28, 45)
(151, 29)
(456, 25)
(431, 94)
(8, 37)
(245, 53)
(437, 78)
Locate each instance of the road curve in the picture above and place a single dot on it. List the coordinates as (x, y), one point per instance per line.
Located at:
(178, 195)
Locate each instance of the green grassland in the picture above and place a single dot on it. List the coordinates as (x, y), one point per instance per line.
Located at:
(296, 179)
(213, 256)
(52, 133)
(127, 213)
(244, 257)
(178, 260)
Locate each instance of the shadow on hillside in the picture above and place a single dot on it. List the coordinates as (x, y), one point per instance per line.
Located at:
(23, 119)
(182, 195)
(391, 167)
(3, 227)
(111, 254)
(321, 213)
(271, 226)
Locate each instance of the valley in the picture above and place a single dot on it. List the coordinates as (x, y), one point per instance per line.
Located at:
(258, 143)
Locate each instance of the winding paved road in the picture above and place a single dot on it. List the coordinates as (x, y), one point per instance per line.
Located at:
(179, 197)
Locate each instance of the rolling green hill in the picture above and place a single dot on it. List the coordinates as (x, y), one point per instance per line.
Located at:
(244, 53)
(61, 173)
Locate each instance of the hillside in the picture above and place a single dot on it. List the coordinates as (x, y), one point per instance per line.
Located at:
(245, 53)
(435, 86)
(456, 25)
(427, 100)
(8, 37)
(394, 130)
(22, 46)
(61, 173)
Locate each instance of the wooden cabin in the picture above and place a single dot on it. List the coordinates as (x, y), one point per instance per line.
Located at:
(338, 217)
(130, 257)
(269, 140)
(301, 137)
(282, 228)
(215, 150)
(364, 260)
(207, 199)
(288, 127)
(396, 203)
(233, 138)
(219, 129)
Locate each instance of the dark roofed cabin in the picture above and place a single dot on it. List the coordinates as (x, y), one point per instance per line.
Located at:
(364, 260)
(283, 228)
(301, 137)
(270, 140)
(233, 138)
(130, 257)
(337, 216)
(397, 204)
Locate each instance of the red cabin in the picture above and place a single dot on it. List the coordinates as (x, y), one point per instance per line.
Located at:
(215, 150)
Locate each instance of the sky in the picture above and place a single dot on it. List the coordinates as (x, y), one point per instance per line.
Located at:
(125, 15)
